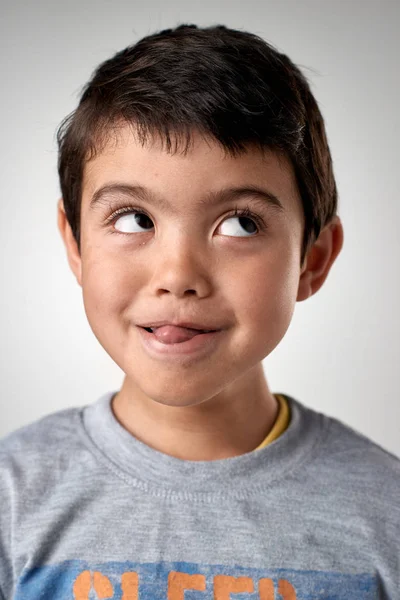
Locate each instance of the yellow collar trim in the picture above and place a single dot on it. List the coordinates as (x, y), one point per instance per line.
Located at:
(281, 423)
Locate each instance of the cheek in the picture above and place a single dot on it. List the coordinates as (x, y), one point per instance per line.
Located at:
(108, 288)
(267, 297)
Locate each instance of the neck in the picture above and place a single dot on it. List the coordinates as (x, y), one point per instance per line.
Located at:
(233, 422)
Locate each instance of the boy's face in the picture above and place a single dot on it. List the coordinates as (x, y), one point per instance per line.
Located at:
(189, 260)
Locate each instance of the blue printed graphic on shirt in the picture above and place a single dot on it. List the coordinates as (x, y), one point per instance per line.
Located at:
(80, 580)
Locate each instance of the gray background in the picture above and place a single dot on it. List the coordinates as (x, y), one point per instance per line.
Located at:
(341, 353)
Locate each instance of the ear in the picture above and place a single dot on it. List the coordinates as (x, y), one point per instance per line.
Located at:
(320, 259)
(74, 257)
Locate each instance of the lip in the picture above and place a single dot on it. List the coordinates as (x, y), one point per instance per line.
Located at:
(199, 345)
(186, 324)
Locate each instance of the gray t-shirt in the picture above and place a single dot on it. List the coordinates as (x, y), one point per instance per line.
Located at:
(87, 511)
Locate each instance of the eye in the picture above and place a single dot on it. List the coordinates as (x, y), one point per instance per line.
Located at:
(240, 223)
(133, 221)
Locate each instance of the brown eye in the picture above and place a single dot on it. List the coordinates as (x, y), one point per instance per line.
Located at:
(238, 226)
(133, 222)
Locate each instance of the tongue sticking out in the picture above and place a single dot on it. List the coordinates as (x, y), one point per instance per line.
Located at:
(169, 334)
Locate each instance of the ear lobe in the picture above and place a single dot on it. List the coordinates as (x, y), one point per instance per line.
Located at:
(71, 246)
(320, 259)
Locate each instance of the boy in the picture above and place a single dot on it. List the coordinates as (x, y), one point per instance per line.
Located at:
(198, 205)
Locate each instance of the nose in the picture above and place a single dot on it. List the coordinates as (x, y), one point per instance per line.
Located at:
(180, 268)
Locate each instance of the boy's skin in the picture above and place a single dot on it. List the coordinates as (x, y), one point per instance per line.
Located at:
(191, 267)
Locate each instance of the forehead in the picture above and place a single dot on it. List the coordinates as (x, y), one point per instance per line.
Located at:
(206, 170)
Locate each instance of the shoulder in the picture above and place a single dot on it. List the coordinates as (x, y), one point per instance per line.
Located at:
(355, 463)
(33, 461)
(35, 450)
(41, 434)
(345, 460)
(359, 450)
(350, 481)
(340, 443)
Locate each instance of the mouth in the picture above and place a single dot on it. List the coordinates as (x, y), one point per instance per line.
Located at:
(197, 331)
(173, 334)
(172, 342)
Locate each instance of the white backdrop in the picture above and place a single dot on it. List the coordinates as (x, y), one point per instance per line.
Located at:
(341, 353)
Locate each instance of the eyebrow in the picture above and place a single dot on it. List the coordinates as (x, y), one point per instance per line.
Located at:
(219, 197)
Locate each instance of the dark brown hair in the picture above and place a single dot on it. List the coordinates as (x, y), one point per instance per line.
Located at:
(227, 84)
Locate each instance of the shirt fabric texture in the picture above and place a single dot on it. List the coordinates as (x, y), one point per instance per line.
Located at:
(88, 511)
